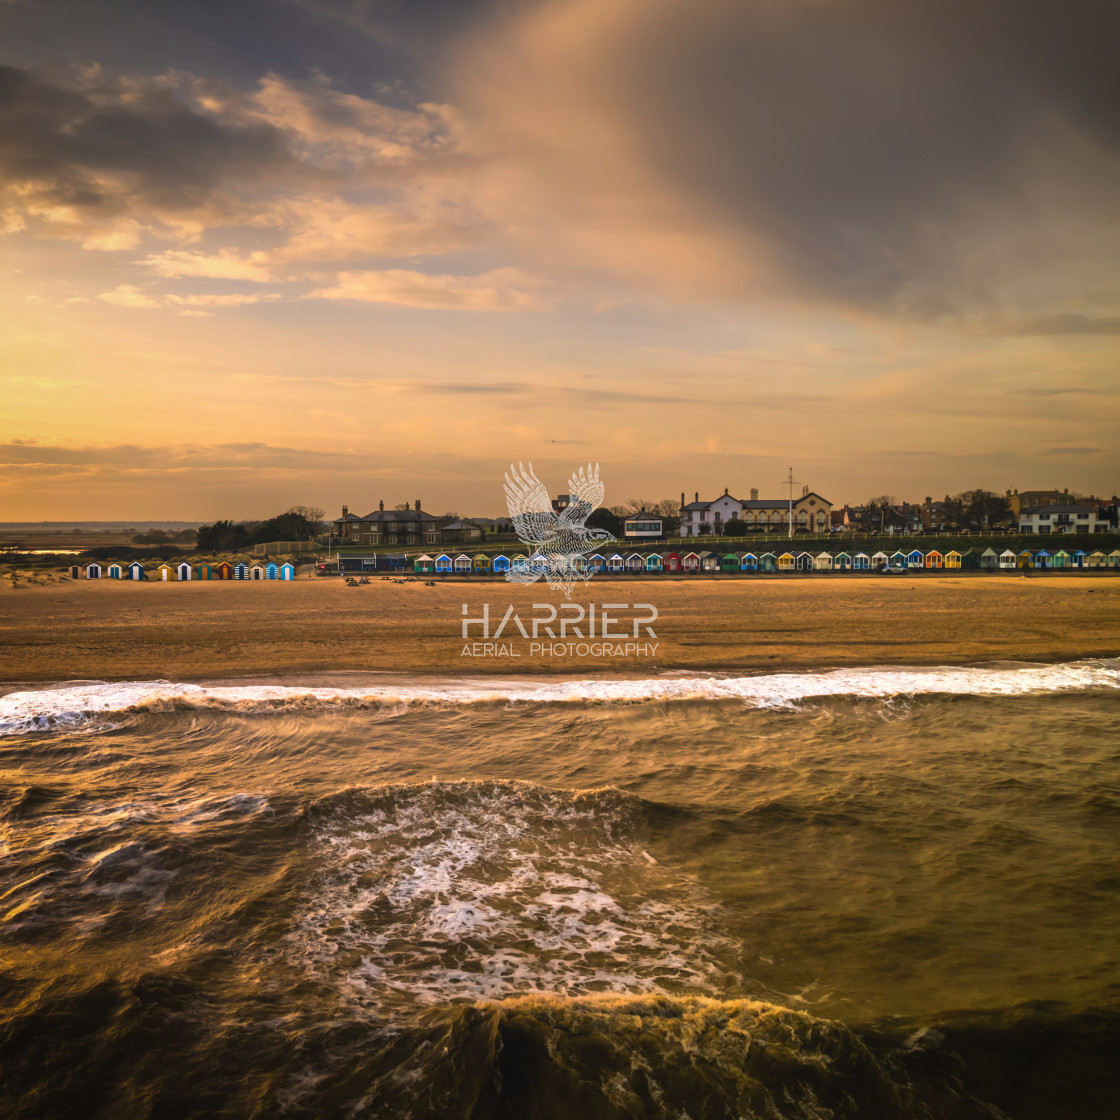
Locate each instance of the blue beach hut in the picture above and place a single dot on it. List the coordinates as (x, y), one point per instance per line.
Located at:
(654, 562)
(444, 563)
(915, 560)
(287, 571)
(272, 570)
(136, 570)
(241, 570)
(500, 564)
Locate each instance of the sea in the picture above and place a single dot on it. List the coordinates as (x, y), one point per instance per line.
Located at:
(877, 892)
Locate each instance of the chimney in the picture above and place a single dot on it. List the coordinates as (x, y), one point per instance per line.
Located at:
(417, 505)
(725, 491)
(754, 494)
(345, 511)
(804, 491)
(381, 506)
(697, 498)
(682, 499)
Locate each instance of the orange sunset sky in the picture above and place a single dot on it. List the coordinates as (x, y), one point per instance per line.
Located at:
(261, 253)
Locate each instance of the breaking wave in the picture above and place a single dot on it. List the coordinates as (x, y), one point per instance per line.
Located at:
(71, 706)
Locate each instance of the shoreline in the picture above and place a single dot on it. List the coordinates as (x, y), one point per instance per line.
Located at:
(193, 632)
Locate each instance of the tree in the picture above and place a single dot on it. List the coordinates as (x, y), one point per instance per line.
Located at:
(981, 509)
(313, 515)
(605, 519)
(734, 528)
(881, 514)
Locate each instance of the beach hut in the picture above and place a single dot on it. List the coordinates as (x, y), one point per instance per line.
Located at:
(136, 570)
(241, 570)
(1007, 559)
(93, 571)
(1060, 559)
(444, 563)
(1097, 559)
(1042, 559)
(822, 562)
(1114, 558)
(287, 570)
(500, 563)
(635, 563)
(184, 571)
(1025, 559)
(654, 562)
(952, 559)
(518, 563)
(423, 564)
(272, 570)
(803, 561)
(256, 571)
(691, 562)
(970, 559)
(163, 573)
(768, 562)
(75, 571)
(709, 561)
(900, 559)
(480, 562)
(1078, 559)
(915, 559)
(842, 562)
(204, 571)
(729, 563)
(748, 562)
(616, 562)
(598, 562)
(861, 562)
(880, 560)
(116, 572)
(673, 562)
(786, 562)
(989, 558)
(934, 559)
(462, 564)
(224, 570)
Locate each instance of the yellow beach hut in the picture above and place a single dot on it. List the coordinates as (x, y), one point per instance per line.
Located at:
(952, 559)
(481, 563)
(1097, 559)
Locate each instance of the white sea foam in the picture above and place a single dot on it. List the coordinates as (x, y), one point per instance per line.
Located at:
(74, 706)
(482, 890)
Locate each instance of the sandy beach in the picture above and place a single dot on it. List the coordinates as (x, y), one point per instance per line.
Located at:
(198, 631)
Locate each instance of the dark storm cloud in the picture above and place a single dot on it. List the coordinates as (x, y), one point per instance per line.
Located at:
(70, 142)
(862, 137)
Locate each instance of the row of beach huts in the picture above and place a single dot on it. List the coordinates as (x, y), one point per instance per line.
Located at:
(636, 562)
(168, 573)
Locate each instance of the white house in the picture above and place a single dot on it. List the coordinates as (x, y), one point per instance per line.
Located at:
(1072, 518)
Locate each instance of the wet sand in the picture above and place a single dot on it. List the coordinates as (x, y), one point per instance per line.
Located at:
(109, 630)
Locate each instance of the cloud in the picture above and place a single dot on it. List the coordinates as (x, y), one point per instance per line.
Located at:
(128, 295)
(916, 159)
(226, 265)
(503, 289)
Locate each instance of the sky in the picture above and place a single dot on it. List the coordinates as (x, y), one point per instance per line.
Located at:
(257, 253)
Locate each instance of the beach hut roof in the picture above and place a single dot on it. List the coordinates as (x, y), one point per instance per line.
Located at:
(443, 556)
(1007, 552)
(654, 556)
(424, 557)
(784, 555)
(616, 556)
(988, 552)
(705, 555)
(1115, 552)
(481, 556)
(501, 556)
(731, 556)
(952, 552)
(1080, 553)
(860, 554)
(462, 556)
(1042, 552)
(828, 554)
(633, 554)
(747, 556)
(1096, 552)
(770, 554)
(1061, 552)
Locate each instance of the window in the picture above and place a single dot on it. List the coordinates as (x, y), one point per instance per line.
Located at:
(1044, 517)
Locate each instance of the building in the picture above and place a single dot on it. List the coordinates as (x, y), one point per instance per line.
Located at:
(462, 530)
(811, 514)
(388, 527)
(642, 525)
(1059, 518)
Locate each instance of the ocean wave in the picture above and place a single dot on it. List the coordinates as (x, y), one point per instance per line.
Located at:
(74, 706)
(442, 891)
